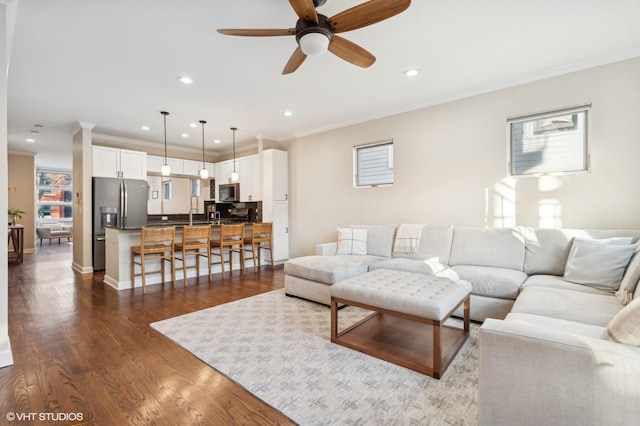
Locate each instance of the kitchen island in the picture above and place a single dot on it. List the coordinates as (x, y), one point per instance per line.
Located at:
(118, 258)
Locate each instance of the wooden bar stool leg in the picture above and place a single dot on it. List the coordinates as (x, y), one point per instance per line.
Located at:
(242, 259)
(133, 269)
(144, 281)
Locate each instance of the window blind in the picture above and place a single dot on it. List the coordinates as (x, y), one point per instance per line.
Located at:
(374, 164)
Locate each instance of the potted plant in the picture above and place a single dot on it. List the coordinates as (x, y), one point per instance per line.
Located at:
(15, 214)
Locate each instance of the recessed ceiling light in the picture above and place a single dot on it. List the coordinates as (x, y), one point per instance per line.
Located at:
(193, 125)
(30, 140)
(185, 135)
(145, 128)
(216, 141)
(34, 132)
(39, 126)
(185, 80)
(412, 72)
(287, 113)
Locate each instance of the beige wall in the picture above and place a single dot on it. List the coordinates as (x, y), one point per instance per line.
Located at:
(22, 178)
(450, 164)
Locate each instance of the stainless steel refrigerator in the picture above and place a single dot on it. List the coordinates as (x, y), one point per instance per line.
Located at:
(117, 203)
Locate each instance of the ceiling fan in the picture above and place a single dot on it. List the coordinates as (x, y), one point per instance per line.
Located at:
(315, 33)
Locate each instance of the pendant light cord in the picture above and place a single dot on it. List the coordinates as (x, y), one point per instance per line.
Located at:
(165, 113)
(234, 148)
(203, 123)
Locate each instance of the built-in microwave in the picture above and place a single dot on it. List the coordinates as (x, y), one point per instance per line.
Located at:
(228, 192)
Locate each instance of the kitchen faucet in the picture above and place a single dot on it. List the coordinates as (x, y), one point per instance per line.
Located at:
(191, 209)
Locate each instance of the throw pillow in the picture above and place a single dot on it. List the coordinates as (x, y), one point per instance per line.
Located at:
(598, 264)
(625, 326)
(352, 241)
(630, 280)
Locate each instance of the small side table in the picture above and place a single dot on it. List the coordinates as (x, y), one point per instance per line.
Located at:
(16, 237)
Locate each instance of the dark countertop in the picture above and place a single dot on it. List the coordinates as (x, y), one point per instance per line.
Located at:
(178, 224)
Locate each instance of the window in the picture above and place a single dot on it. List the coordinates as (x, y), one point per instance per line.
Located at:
(54, 195)
(549, 142)
(373, 164)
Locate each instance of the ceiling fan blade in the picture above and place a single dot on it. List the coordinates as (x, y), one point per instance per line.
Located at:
(366, 14)
(257, 33)
(305, 10)
(295, 61)
(351, 52)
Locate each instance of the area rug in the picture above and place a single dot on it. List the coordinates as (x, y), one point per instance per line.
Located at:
(279, 349)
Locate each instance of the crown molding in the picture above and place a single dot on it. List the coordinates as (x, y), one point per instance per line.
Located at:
(491, 87)
(81, 125)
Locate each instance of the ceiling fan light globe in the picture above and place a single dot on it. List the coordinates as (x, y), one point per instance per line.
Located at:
(204, 173)
(314, 44)
(165, 170)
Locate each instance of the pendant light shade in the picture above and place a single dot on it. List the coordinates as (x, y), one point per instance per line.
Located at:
(165, 170)
(234, 175)
(204, 173)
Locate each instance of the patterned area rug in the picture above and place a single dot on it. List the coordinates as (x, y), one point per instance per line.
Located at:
(279, 349)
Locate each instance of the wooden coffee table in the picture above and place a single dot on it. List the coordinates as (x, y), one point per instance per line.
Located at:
(406, 327)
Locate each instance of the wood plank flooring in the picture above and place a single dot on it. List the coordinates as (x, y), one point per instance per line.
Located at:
(82, 347)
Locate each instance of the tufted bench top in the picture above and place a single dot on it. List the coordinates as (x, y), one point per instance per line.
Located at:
(422, 295)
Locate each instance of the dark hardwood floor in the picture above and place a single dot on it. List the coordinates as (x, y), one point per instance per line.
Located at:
(82, 347)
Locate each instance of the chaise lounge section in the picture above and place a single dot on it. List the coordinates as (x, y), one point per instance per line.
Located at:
(560, 339)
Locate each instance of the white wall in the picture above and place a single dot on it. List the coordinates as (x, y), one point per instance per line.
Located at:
(7, 20)
(450, 164)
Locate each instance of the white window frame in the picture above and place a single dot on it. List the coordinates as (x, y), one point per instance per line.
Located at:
(581, 128)
(356, 156)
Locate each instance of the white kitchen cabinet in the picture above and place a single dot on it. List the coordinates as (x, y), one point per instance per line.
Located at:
(154, 163)
(249, 175)
(280, 231)
(119, 163)
(275, 165)
(223, 172)
(176, 165)
(211, 167)
(275, 195)
(191, 167)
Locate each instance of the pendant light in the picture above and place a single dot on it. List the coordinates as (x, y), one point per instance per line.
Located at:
(204, 173)
(165, 170)
(234, 175)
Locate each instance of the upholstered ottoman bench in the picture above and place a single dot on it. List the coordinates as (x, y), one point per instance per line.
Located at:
(403, 302)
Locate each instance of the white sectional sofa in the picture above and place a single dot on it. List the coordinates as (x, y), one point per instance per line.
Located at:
(546, 296)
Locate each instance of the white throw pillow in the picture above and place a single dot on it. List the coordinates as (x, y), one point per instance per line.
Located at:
(625, 326)
(352, 241)
(598, 263)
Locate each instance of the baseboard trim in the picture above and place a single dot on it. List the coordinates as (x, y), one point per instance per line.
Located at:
(82, 269)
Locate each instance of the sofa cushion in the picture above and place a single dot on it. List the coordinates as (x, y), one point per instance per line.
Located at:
(554, 281)
(491, 282)
(410, 265)
(588, 308)
(379, 239)
(329, 269)
(556, 324)
(435, 245)
(499, 248)
(352, 241)
(547, 250)
(597, 263)
(625, 326)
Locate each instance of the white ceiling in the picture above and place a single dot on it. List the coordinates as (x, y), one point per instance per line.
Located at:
(115, 64)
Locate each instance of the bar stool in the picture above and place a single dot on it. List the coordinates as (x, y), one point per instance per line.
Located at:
(155, 243)
(194, 239)
(261, 238)
(231, 240)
